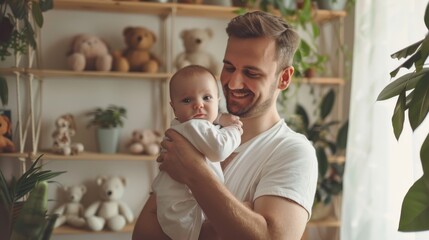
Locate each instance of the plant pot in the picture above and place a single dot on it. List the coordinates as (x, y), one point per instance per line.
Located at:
(321, 211)
(335, 5)
(108, 139)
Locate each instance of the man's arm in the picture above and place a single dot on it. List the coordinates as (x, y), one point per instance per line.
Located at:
(272, 217)
(147, 225)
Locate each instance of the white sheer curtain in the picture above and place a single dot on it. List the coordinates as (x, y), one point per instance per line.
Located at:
(379, 169)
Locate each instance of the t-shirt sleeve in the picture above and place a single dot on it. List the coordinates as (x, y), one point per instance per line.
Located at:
(213, 142)
(294, 178)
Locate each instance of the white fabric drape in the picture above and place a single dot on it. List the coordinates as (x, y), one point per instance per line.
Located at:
(379, 169)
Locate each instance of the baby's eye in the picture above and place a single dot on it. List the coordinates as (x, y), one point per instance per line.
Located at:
(186, 100)
(207, 98)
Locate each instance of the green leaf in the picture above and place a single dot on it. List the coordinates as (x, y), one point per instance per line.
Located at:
(327, 104)
(405, 52)
(407, 81)
(46, 5)
(415, 208)
(399, 115)
(4, 91)
(424, 52)
(322, 160)
(37, 13)
(300, 111)
(424, 159)
(407, 64)
(427, 17)
(419, 105)
(342, 136)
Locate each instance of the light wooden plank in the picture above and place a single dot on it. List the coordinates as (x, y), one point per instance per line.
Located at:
(94, 156)
(65, 229)
(327, 222)
(321, 80)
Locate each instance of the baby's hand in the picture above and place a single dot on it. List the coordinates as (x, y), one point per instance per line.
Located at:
(227, 119)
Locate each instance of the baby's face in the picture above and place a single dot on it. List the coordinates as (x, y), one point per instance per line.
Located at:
(195, 97)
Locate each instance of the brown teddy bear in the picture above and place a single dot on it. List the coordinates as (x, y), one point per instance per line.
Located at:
(65, 129)
(6, 145)
(89, 52)
(137, 56)
(145, 141)
(195, 43)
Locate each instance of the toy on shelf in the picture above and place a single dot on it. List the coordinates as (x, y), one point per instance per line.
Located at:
(89, 52)
(145, 141)
(72, 212)
(65, 129)
(6, 145)
(137, 56)
(195, 43)
(109, 211)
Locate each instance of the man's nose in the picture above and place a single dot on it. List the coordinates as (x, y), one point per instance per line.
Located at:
(235, 81)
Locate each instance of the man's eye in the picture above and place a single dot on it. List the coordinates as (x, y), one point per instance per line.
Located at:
(229, 68)
(252, 74)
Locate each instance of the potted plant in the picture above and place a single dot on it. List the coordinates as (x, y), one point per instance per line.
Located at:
(412, 89)
(17, 32)
(328, 142)
(108, 122)
(26, 219)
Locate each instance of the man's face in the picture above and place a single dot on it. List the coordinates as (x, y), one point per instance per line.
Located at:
(249, 77)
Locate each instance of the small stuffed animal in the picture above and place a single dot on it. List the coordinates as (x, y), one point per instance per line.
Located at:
(195, 43)
(6, 145)
(137, 56)
(89, 52)
(71, 212)
(145, 142)
(109, 211)
(65, 129)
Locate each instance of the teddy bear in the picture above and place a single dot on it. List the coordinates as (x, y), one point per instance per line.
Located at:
(89, 52)
(6, 145)
(145, 141)
(72, 211)
(136, 56)
(109, 211)
(65, 129)
(195, 44)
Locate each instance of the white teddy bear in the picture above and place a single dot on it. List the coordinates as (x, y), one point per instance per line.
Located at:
(65, 129)
(195, 43)
(145, 141)
(72, 212)
(110, 211)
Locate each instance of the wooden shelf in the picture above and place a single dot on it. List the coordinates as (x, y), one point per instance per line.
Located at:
(163, 9)
(96, 74)
(321, 81)
(337, 159)
(13, 155)
(94, 156)
(327, 222)
(71, 230)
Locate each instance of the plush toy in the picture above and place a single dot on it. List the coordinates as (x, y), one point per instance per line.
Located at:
(71, 212)
(137, 56)
(6, 145)
(65, 129)
(145, 142)
(89, 52)
(109, 211)
(195, 43)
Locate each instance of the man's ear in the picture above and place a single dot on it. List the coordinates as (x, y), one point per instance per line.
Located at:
(285, 77)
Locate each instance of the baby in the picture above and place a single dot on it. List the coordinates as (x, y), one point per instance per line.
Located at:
(194, 97)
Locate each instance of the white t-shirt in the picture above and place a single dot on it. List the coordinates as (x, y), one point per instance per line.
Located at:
(277, 162)
(178, 212)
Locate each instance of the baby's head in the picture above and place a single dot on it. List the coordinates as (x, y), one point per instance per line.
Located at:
(194, 94)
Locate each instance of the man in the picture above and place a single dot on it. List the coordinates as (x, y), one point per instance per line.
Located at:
(270, 180)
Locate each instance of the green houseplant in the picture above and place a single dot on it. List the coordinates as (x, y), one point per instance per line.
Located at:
(18, 20)
(327, 141)
(26, 219)
(108, 122)
(412, 90)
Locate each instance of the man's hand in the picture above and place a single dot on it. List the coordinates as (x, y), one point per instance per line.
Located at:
(179, 158)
